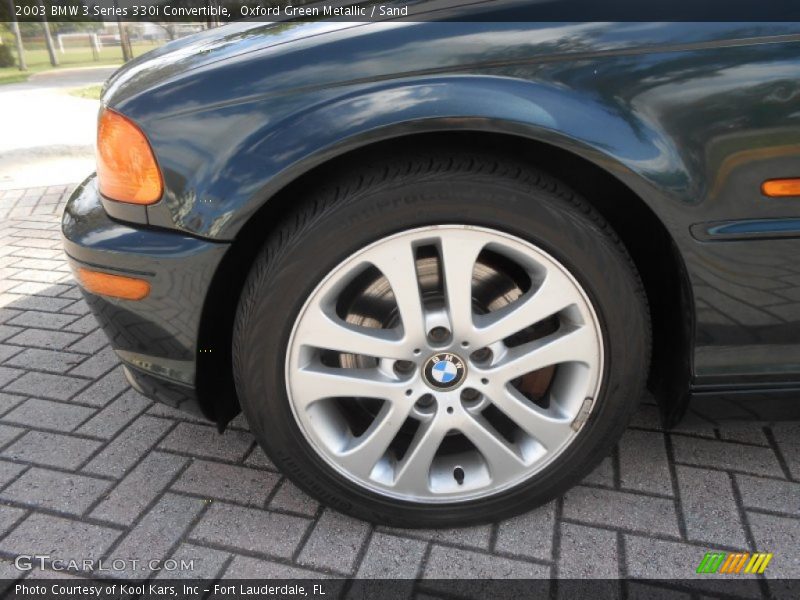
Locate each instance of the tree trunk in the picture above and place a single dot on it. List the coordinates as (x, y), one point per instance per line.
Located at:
(48, 38)
(17, 37)
(125, 42)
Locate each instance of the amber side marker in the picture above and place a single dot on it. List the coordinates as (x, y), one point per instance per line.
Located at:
(116, 286)
(780, 188)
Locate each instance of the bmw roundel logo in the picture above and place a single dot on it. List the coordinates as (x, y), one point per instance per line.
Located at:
(444, 371)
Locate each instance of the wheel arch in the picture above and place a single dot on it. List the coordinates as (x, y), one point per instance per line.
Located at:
(643, 232)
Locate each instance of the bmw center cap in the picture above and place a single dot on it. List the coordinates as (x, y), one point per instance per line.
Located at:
(444, 371)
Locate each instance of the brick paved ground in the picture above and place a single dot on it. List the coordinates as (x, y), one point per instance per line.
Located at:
(91, 469)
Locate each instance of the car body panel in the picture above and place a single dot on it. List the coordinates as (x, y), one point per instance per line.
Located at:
(156, 337)
(691, 117)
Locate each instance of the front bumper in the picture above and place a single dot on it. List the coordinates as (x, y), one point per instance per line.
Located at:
(156, 337)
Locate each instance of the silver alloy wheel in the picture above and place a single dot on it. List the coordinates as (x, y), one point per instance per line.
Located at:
(425, 398)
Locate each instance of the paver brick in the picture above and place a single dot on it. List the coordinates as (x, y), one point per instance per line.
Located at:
(8, 402)
(199, 561)
(227, 482)
(643, 463)
(45, 360)
(603, 474)
(769, 494)
(7, 352)
(647, 558)
(455, 563)
(41, 320)
(45, 385)
(479, 536)
(334, 529)
(107, 422)
(529, 535)
(726, 455)
(787, 436)
(620, 509)
(245, 567)
(125, 450)
(97, 364)
(709, 507)
(9, 471)
(206, 441)
(105, 389)
(781, 536)
(157, 531)
(8, 375)
(392, 557)
(68, 493)
(90, 343)
(9, 433)
(9, 516)
(46, 414)
(26, 302)
(587, 553)
(250, 529)
(63, 539)
(52, 449)
(42, 338)
(292, 499)
(257, 458)
(139, 488)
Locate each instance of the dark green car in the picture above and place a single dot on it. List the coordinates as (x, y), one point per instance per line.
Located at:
(436, 263)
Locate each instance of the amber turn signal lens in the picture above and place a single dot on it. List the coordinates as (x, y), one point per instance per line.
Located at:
(778, 188)
(117, 286)
(126, 167)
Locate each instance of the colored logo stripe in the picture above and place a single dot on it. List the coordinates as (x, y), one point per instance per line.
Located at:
(725, 563)
(758, 563)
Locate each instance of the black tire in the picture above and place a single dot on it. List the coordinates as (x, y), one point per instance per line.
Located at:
(401, 194)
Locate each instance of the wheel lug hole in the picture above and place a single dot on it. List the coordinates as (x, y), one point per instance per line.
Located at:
(425, 401)
(403, 367)
(458, 475)
(464, 344)
(470, 396)
(449, 410)
(417, 351)
(409, 392)
(484, 381)
(439, 335)
(482, 355)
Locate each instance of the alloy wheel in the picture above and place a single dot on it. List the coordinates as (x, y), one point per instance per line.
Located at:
(444, 364)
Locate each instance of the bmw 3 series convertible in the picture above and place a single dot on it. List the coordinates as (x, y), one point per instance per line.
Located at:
(436, 264)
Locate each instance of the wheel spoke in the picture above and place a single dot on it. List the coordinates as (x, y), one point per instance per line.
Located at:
(315, 382)
(499, 455)
(577, 345)
(413, 471)
(554, 295)
(370, 446)
(458, 262)
(548, 430)
(320, 330)
(397, 263)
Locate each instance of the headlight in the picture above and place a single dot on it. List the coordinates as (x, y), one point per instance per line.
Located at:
(126, 166)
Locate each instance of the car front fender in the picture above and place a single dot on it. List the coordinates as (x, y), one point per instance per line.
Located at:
(244, 165)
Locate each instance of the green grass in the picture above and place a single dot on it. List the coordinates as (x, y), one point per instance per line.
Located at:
(38, 60)
(91, 92)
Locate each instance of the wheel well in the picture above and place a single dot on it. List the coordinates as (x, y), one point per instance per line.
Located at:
(651, 246)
